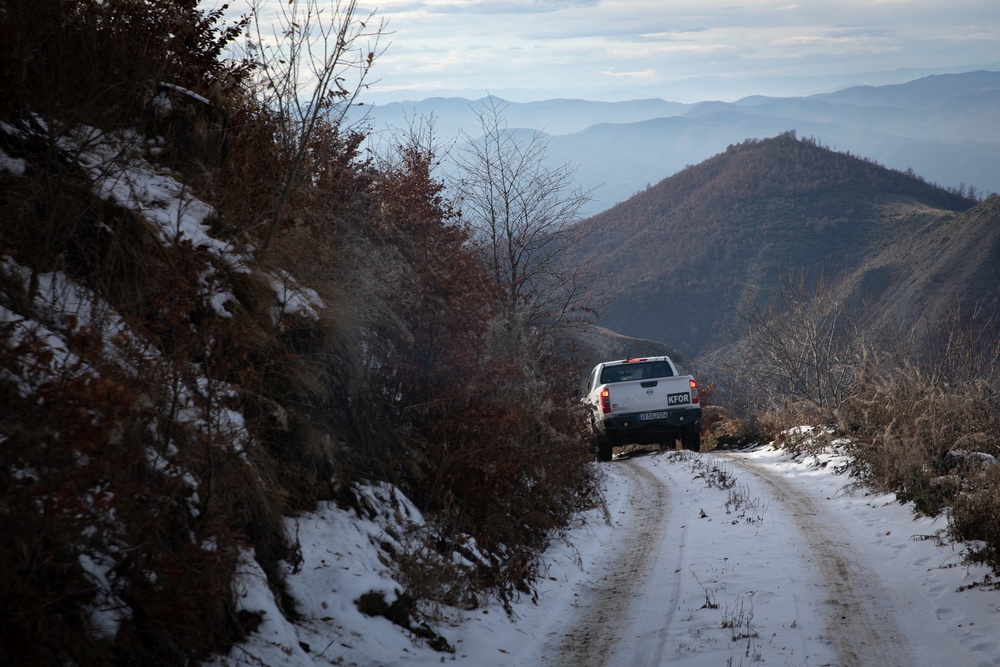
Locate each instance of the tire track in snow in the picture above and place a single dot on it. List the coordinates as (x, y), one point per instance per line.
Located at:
(861, 626)
(607, 603)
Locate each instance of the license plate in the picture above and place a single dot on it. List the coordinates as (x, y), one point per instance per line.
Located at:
(647, 416)
(677, 399)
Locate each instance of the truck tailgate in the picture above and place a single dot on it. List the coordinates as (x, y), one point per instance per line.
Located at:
(649, 395)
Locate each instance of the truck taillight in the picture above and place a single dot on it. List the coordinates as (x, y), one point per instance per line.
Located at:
(605, 400)
(694, 391)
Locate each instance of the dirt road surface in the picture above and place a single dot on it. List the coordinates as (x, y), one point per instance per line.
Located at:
(621, 590)
(768, 577)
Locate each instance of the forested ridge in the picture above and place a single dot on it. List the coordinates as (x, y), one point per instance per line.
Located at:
(719, 234)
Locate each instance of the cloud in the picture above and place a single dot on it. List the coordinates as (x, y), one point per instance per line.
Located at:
(812, 40)
(494, 7)
(564, 45)
(640, 75)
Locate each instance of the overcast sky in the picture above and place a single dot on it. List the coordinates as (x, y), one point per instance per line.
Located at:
(678, 50)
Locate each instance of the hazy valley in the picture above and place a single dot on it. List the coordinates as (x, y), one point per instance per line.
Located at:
(943, 127)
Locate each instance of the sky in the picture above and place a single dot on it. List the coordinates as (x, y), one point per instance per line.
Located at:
(786, 566)
(678, 50)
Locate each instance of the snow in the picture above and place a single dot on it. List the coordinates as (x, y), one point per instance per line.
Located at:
(755, 557)
(121, 175)
(15, 166)
(174, 211)
(293, 298)
(108, 611)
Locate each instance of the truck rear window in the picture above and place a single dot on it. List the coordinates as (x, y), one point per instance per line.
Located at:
(637, 371)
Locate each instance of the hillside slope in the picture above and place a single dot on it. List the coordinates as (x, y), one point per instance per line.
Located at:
(214, 318)
(940, 265)
(681, 255)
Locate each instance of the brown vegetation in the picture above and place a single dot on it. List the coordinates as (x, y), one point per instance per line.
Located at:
(169, 398)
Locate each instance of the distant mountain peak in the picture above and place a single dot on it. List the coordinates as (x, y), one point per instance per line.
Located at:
(684, 252)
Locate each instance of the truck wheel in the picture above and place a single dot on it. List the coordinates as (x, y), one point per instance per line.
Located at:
(604, 449)
(691, 440)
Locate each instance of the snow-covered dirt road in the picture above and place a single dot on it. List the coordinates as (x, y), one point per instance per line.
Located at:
(860, 621)
(699, 560)
(728, 559)
(606, 601)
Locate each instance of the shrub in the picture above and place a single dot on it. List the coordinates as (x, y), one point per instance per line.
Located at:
(176, 401)
(975, 517)
(507, 464)
(919, 412)
(112, 542)
(99, 62)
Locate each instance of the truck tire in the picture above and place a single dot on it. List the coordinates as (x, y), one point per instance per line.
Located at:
(604, 449)
(691, 440)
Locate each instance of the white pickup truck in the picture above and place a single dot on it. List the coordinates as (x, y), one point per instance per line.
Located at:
(642, 401)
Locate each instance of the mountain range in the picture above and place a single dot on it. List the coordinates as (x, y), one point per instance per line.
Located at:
(946, 128)
(683, 257)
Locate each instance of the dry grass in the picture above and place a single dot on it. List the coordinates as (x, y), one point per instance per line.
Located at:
(975, 515)
(910, 430)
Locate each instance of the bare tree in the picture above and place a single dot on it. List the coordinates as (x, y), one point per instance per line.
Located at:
(522, 214)
(807, 346)
(313, 67)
